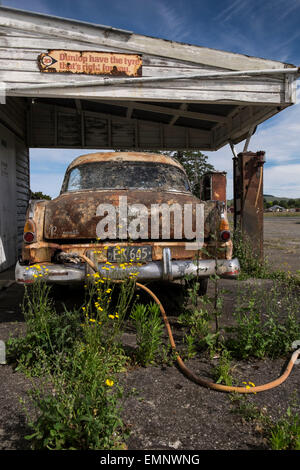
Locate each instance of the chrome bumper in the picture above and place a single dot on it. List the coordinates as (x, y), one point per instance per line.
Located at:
(166, 269)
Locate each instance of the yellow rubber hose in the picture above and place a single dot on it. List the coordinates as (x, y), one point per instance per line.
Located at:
(188, 373)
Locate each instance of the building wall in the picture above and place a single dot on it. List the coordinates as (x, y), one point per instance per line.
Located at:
(14, 180)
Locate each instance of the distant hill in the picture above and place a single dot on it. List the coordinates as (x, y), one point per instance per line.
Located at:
(270, 198)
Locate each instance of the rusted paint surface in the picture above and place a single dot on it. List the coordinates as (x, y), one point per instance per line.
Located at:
(73, 215)
(248, 191)
(91, 63)
(214, 186)
(124, 156)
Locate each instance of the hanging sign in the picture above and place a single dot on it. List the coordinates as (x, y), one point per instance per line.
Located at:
(91, 63)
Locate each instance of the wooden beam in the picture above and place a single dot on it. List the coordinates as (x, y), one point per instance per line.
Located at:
(183, 107)
(129, 110)
(165, 110)
(240, 125)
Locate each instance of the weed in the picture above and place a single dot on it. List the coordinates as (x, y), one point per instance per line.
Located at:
(48, 334)
(266, 322)
(81, 409)
(248, 410)
(149, 331)
(79, 354)
(285, 433)
(223, 371)
(198, 315)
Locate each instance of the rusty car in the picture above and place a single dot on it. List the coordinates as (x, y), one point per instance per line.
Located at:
(61, 234)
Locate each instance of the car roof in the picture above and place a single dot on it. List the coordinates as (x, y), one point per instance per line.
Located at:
(124, 156)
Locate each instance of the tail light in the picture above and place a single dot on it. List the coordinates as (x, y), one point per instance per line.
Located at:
(224, 229)
(225, 235)
(29, 231)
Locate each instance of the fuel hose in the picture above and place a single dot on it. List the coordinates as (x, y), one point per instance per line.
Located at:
(190, 374)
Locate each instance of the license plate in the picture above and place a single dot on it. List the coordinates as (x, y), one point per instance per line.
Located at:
(136, 254)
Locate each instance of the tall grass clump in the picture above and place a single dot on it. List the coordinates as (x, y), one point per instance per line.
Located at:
(49, 335)
(149, 332)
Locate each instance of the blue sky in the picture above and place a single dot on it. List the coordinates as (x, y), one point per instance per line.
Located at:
(268, 29)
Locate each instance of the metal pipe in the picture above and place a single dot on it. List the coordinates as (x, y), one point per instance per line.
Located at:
(128, 81)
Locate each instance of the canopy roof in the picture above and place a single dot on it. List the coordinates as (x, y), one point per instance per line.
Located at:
(182, 95)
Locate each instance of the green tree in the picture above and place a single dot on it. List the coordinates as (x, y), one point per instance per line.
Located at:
(291, 203)
(283, 203)
(39, 195)
(195, 164)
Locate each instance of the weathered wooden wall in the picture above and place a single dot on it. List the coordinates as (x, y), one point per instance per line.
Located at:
(14, 179)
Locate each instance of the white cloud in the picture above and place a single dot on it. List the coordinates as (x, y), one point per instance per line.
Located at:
(174, 23)
(283, 180)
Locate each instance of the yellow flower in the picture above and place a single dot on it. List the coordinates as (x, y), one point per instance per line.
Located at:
(111, 316)
(109, 382)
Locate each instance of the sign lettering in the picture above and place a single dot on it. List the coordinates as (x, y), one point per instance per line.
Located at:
(91, 63)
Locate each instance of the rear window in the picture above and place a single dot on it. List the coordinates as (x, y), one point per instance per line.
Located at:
(126, 175)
